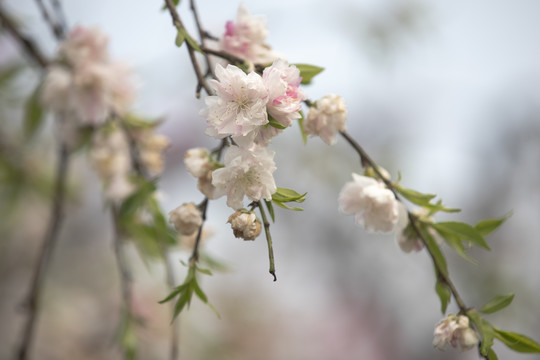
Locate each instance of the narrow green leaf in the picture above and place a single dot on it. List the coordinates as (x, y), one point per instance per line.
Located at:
(200, 294)
(33, 114)
(491, 355)
(275, 124)
(307, 72)
(487, 333)
(455, 243)
(270, 210)
(180, 37)
(280, 204)
(173, 294)
(444, 294)
(192, 43)
(286, 195)
(497, 303)
(416, 197)
(434, 249)
(301, 125)
(486, 227)
(183, 300)
(517, 342)
(204, 271)
(464, 231)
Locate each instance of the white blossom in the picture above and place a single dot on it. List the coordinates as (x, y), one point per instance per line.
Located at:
(239, 107)
(374, 206)
(186, 218)
(246, 38)
(454, 330)
(247, 172)
(245, 225)
(151, 147)
(326, 118)
(407, 238)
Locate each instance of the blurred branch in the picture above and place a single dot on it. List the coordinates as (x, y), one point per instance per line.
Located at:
(26, 42)
(49, 242)
(56, 27)
(366, 161)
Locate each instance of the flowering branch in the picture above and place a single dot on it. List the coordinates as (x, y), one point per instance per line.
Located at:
(366, 161)
(49, 243)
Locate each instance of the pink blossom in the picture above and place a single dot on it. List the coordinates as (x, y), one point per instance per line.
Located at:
(246, 37)
(326, 118)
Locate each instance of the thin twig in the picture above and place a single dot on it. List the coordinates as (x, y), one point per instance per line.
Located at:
(367, 161)
(177, 22)
(235, 60)
(55, 26)
(60, 17)
(202, 36)
(48, 245)
(203, 206)
(26, 42)
(126, 282)
(272, 269)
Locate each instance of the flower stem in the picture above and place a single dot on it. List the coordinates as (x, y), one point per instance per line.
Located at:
(272, 269)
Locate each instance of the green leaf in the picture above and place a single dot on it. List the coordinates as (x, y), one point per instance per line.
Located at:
(485, 330)
(204, 271)
(307, 72)
(415, 197)
(180, 36)
(486, 227)
(173, 294)
(192, 43)
(200, 294)
(455, 243)
(9, 73)
(33, 114)
(270, 210)
(275, 124)
(444, 294)
(286, 195)
(464, 231)
(301, 125)
(491, 355)
(435, 251)
(497, 303)
(280, 204)
(517, 342)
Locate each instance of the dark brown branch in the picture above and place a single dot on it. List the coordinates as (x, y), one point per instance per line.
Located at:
(202, 36)
(55, 26)
(49, 242)
(224, 55)
(367, 161)
(177, 22)
(27, 43)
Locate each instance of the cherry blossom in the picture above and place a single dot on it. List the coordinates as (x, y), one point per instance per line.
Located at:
(247, 172)
(454, 330)
(239, 107)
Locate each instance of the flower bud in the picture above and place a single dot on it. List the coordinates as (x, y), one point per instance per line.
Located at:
(186, 218)
(197, 161)
(245, 225)
(455, 330)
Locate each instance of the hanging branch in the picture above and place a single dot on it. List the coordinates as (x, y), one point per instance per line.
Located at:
(203, 35)
(266, 223)
(55, 26)
(441, 273)
(31, 304)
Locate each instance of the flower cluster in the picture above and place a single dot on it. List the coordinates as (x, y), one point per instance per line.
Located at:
(455, 330)
(246, 38)
(84, 83)
(373, 205)
(251, 109)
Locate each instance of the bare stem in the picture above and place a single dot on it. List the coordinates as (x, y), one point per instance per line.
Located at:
(202, 36)
(367, 161)
(177, 22)
(26, 42)
(272, 269)
(195, 254)
(31, 303)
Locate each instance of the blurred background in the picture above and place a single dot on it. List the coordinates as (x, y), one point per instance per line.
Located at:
(447, 93)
